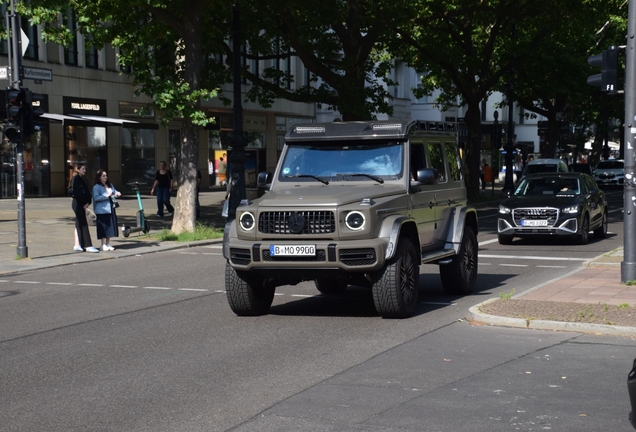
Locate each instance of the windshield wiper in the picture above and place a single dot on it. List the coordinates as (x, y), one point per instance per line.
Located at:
(371, 176)
(321, 180)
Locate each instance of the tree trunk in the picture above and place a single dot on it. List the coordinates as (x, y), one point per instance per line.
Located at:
(185, 208)
(473, 147)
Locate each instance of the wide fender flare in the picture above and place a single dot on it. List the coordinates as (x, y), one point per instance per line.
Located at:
(391, 229)
(228, 231)
(461, 216)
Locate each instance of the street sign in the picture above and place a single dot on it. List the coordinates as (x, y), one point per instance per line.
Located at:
(24, 39)
(4, 72)
(37, 74)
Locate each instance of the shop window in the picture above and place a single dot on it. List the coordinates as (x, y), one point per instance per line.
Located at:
(86, 145)
(137, 158)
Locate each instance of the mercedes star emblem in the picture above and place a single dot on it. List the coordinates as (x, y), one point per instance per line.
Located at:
(296, 223)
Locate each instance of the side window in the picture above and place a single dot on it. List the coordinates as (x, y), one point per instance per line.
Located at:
(436, 160)
(453, 160)
(418, 161)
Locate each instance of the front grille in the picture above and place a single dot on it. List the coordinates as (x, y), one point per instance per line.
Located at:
(357, 257)
(549, 214)
(316, 222)
(607, 175)
(320, 256)
(240, 256)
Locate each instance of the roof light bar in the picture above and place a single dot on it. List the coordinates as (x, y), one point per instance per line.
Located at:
(386, 126)
(310, 129)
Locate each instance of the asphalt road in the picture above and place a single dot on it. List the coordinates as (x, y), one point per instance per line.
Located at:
(149, 343)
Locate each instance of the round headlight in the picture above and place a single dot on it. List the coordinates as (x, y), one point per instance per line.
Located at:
(247, 221)
(355, 221)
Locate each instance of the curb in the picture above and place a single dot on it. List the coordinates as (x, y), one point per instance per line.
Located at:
(475, 315)
(60, 262)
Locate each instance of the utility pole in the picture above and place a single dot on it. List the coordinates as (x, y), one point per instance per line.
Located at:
(16, 75)
(628, 265)
(238, 139)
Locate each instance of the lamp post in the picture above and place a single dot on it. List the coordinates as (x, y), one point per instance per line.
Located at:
(237, 140)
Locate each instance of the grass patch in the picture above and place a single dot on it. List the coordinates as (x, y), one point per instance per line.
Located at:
(507, 296)
(201, 232)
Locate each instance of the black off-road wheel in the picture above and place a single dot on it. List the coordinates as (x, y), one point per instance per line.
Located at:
(460, 275)
(246, 292)
(601, 231)
(395, 288)
(584, 236)
(330, 286)
(504, 239)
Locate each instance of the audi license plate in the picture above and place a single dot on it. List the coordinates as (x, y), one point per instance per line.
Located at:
(534, 223)
(292, 250)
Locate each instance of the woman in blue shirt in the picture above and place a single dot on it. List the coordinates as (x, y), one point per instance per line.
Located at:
(104, 194)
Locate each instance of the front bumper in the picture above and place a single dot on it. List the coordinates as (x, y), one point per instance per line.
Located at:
(351, 256)
(563, 226)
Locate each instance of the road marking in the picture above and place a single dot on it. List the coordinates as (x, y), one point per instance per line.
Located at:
(219, 291)
(514, 265)
(26, 282)
(160, 288)
(544, 258)
(483, 263)
(551, 266)
(58, 283)
(191, 289)
(485, 242)
(90, 284)
(189, 253)
(4, 280)
(302, 295)
(123, 286)
(213, 253)
(213, 246)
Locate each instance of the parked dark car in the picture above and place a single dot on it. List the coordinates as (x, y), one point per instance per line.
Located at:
(582, 168)
(564, 204)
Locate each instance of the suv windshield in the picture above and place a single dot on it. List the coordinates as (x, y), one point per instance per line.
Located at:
(607, 164)
(557, 186)
(338, 161)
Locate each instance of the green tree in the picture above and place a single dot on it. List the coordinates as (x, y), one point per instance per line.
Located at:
(163, 42)
(466, 49)
(551, 81)
(341, 43)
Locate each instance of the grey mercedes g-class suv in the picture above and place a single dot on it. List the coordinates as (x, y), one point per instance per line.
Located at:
(355, 203)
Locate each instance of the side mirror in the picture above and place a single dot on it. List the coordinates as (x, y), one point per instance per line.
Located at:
(428, 176)
(264, 179)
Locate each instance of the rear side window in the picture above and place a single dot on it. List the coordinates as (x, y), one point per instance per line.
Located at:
(454, 161)
(436, 160)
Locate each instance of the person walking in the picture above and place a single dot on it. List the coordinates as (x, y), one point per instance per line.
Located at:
(104, 194)
(163, 185)
(81, 200)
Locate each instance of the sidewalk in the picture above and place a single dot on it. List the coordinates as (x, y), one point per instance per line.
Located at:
(50, 228)
(590, 299)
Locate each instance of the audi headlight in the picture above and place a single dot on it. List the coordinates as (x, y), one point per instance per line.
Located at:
(355, 221)
(504, 210)
(571, 209)
(247, 221)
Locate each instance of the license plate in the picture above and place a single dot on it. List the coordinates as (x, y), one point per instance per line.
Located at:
(292, 250)
(533, 223)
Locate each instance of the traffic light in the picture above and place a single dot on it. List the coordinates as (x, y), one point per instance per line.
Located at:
(608, 62)
(15, 112)
(33, 103)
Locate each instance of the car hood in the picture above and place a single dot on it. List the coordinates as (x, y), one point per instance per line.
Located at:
(328, 196)
(541, 201)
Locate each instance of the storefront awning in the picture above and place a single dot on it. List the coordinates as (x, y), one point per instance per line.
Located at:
(96, 121)
(60, 117)
(106, 120)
